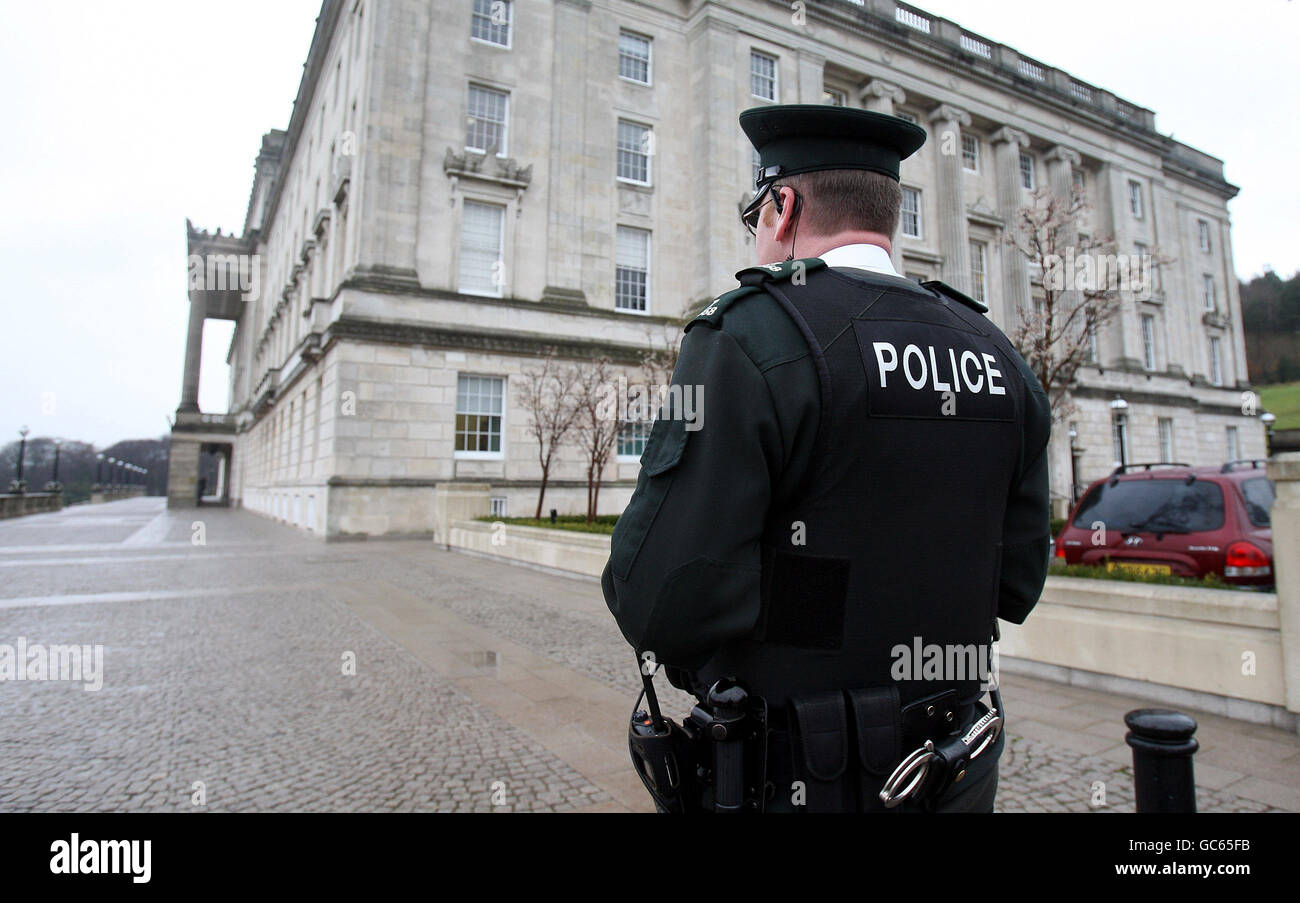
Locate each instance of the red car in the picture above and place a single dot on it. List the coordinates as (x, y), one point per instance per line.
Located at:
(1176, 519)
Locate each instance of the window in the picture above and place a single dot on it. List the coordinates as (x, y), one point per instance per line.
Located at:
(486, 120)
(1203, 228)
(491, 22)
(1077, 181)
(634, 58)
(833, 97)
(917, 277)
(497, 506)
(978, 267)
(1148, 341)
(634, 145)
(911, 214)
(632, 437)
(1135, 199)
(970, 153)
(1259, 494)
(478, 415)
(1166, 426)
(908, 116)
(1148, 506)
(762, 75)
(481, 266)
(1234, 445)
(631, 269)
(1092, 344)
(1026, 171)
(1207, 291)
(1216, 361)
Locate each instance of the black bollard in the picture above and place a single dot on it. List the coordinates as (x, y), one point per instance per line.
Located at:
(553, 515)
(1162, 759)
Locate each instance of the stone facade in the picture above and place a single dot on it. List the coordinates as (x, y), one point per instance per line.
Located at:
(611, 141)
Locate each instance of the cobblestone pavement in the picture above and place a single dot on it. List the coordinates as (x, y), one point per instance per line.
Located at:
(478, 685)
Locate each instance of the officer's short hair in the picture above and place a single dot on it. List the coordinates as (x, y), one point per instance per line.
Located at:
(838, 200)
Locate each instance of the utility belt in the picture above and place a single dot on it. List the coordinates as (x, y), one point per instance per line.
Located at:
(829, 751)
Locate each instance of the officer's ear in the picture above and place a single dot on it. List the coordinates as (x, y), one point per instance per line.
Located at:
(787, 206)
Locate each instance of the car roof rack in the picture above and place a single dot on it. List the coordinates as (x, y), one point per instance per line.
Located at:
(1253, 462)
(1147, 466)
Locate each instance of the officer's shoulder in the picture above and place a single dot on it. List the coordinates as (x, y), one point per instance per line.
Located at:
(948, 291)
(751, 281)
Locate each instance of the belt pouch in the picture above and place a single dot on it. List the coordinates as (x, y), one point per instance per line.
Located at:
(877, 726)
(820, 750)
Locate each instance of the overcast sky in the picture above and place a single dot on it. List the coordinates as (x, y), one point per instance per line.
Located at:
(125, 117)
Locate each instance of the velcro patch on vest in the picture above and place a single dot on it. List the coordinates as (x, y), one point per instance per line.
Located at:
(805, 598)
(934, 372)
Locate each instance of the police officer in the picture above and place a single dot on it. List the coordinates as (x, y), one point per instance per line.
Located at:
(866, 496)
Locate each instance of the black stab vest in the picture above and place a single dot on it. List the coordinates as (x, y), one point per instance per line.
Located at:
(894, 538)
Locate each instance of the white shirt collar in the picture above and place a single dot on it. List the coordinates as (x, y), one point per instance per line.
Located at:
(861, 257)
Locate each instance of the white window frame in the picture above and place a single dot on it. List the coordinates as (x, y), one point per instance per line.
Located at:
(1234, 444)
(909, 117)
(1148, 322)
(1093, 350)
(509, 24)
(647, 236)
(1165, 438)
(481, 455)
(497, 506)
(1028, 178)
(1216, 361)
(649, 57)
(1208, 292)
(979, 269)
(505, 117)
(645, 426)
(1203, 235)
(902, 218)
(620, 150)
(1135, 202)
(973, 152)
(501, 249)
(754, 57)
(834, 97)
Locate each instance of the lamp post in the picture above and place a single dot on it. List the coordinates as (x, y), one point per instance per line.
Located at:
(1268, 420)
(1119, 407)
(112, 471)
(54, 479)
(1075, 453)
(22, 453)
(99, 470)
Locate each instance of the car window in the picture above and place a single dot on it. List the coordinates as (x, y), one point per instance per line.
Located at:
(1258, 493)
(1153, 506)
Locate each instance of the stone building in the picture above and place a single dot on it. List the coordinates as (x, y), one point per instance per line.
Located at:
(462, 184)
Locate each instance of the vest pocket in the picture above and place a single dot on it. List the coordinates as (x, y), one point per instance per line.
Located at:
(877, 725)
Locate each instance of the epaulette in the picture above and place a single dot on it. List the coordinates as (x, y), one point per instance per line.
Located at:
(949, 292)
(786, 270)
(752, 279)
(713, 311)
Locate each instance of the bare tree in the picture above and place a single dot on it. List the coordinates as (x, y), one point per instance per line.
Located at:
(597, 423)
(1082, 282)
(548, 394)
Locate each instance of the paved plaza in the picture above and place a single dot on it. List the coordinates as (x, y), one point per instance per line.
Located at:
(263, 669)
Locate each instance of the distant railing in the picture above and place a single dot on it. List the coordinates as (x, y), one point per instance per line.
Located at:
(1032, 70)
(976, 46)
(912, 19)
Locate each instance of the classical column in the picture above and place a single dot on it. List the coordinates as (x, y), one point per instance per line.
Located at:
(1061, 162)
(1007, 143)
(193, 359)
(880, 97)
(954, 236)
(570, 154)
(811, 82)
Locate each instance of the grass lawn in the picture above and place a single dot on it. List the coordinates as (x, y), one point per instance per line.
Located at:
(576, 522)
(1283, 402)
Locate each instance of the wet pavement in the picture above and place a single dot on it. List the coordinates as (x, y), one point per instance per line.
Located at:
(249, 666)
